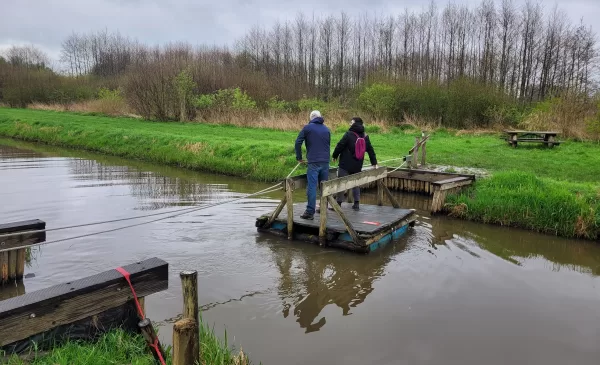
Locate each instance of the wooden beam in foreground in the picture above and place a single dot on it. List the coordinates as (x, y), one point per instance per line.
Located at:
(61, 305)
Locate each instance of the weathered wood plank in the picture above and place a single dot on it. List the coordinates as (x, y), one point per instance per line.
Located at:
(29, 225)
(347, 223)
(12, 265)
(455, 185)
(20, 263)
(323, 221)
(517, 131)
(340, 184)
(380, 192)
(276, 212)
(300, 181)
(8, 243)
(3, 267)
(289, 197)
(40, 311)
(390, 196)
(427, 175)
(88, 329)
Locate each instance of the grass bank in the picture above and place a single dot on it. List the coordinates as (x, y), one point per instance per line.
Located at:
(519, 199)
(548, 179)
(120, 347)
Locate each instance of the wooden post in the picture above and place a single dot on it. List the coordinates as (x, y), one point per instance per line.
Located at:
(3, 267)
(151, 339)
(349, 197)
(289, 195)
(323, 223)
(189, 288)
(20, 263)
(186, 337)
(185, 342)
(380, 187)
(414, 161)
(423, 153)
(12, 265)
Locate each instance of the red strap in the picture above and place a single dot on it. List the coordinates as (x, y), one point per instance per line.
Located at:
(157, 350)
(154, 345)
(135, 298)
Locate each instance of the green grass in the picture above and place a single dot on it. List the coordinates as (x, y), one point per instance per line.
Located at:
(116, 347)
(269, 155)
(539, 190)
(519, 199)
(120, 347)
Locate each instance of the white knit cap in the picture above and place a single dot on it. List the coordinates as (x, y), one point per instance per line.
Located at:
(315, 114)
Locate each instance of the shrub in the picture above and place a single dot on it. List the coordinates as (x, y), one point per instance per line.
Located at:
(205, 101)
(307, 105)
(380, 100)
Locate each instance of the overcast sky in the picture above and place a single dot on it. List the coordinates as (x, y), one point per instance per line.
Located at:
(46, 23)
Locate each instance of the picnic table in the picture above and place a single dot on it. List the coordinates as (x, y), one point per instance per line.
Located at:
(546, 137)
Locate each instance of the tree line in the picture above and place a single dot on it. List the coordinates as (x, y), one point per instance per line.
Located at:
(522, 52)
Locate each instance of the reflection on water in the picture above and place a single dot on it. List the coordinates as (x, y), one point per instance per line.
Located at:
(448, 292)
(309, 283)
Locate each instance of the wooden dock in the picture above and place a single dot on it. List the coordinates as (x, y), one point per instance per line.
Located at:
(426, 182)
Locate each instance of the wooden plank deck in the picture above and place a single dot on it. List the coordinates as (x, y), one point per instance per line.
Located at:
(369, 220)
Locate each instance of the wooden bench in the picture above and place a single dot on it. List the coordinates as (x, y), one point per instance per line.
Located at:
(546, 137)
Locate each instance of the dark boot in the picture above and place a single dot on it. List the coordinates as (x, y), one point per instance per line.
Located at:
(307, 215)
(355, 205)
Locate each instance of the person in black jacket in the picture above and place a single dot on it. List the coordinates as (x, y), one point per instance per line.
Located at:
(349, 164)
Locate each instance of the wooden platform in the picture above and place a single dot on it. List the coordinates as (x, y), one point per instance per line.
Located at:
(376, 225)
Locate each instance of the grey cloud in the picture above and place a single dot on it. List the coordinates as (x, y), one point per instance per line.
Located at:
(47, 23)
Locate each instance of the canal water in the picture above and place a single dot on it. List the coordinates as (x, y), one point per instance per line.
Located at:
(449, 292)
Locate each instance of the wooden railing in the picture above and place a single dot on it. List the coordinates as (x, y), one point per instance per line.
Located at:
(420, 146)
(334, 186)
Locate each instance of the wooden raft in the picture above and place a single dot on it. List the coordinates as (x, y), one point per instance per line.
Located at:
(362, 231)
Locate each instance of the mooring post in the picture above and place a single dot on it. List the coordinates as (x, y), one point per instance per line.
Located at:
(186, 337)
(189, 288)
(289, 194)
(423, 153)
(415, 160)
(149, 334)
(185, 342)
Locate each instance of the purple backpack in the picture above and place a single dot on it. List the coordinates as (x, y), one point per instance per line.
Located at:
(359, 147)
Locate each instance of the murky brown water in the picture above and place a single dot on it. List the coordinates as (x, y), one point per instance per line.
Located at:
(450, 292)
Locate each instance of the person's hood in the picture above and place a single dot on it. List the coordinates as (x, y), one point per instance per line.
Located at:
(357, 128)
(318, 120)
